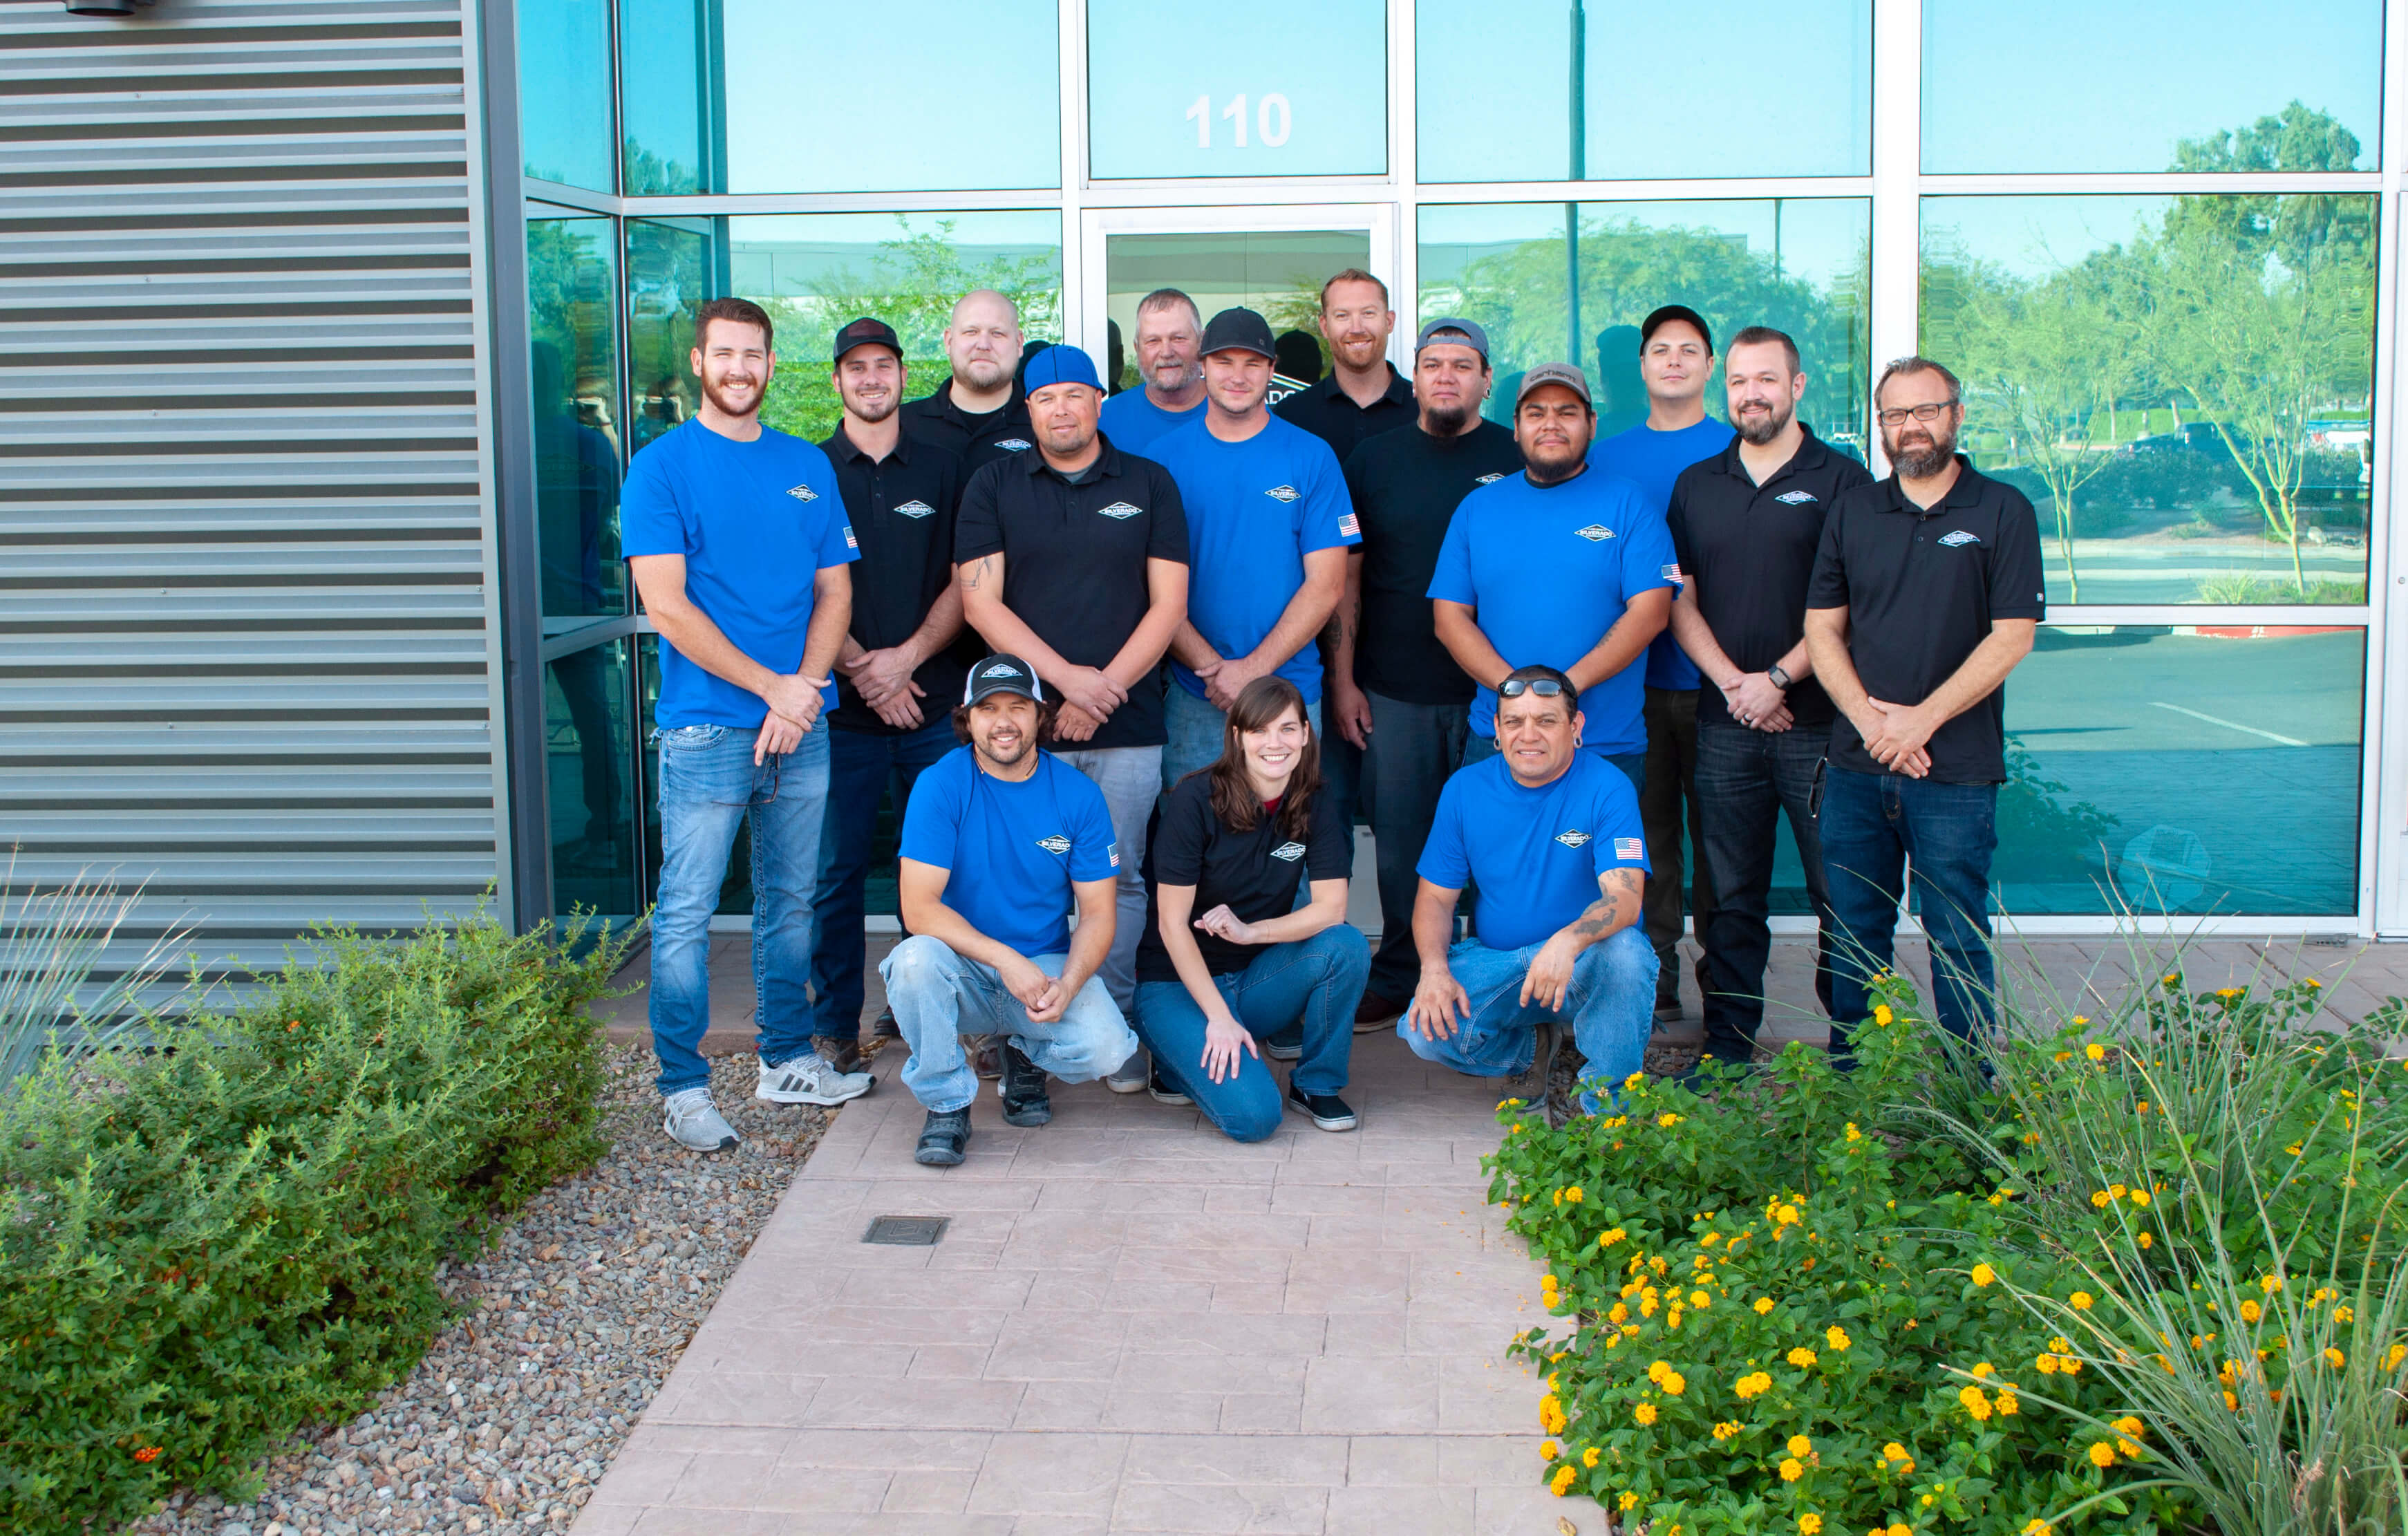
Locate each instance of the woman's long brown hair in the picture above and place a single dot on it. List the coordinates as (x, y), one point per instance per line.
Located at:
(1259, 705)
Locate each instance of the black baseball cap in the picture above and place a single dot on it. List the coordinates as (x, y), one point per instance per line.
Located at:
(867, 331)
(1002, 674)
(1675, 311)
(1239, 330)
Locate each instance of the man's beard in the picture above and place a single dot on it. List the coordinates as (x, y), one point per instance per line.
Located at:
(720, 402)
(1367, 346)
(983, 373)
(1172, 377)
(871, 412)
(1758, 430)
(1449, 420)
(1019, 751)
(1922, 463)
(1071, 449)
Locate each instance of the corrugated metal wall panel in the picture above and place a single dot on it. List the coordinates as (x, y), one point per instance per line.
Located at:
(247, 643)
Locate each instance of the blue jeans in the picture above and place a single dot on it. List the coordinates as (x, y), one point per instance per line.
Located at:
(1316, 981)
(1196, 728)
(1479, 748)
(708, 789)
(940, 996)
(861, 765)
(1131, 780)
(1612, 1003)
(1747, 780)
(1871, 823)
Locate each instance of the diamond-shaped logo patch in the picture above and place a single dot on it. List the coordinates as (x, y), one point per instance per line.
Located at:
(802, 493)
(1013, 445)
(1573, 838)
(1119, 511)
(1596, 533)
(1282, 493)
(916, 509)
(1057, 843)
(1289, 850)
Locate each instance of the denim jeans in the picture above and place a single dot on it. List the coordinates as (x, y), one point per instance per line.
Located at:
(1746, 781)
(1479, 748)
(861, 766)
(1672, 783)
(1415, 748)
(1197, 727)
(1871, 823)
(1612, 1003)
(708, 788)
(1316, 981)
(940, 996)
(1131, 780)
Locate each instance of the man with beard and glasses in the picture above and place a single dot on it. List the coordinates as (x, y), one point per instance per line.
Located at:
(1170, 331)
(1561, 565)
(978, 412)
(1394, 694)
(1926, 593)
(902, 660)
(1747, 524)
(735, 535)
(1000, 845)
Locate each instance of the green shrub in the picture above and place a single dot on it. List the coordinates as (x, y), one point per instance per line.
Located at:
(208, 1245)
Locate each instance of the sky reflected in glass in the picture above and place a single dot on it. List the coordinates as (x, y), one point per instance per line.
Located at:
(564, 130)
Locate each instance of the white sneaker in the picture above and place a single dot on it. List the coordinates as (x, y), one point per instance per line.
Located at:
(1131, 1076)
(693, 1121)
(810, 1078)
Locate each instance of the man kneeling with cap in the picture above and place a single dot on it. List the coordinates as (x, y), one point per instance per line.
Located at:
(998, 841)
(1550, 835)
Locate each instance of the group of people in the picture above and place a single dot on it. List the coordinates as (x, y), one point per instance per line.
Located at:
(1140, 658)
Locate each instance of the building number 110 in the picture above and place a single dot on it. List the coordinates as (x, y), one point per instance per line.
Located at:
(1270, 120)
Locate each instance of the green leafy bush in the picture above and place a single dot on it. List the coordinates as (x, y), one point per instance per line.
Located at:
(1902, 1300)
(210, 1245)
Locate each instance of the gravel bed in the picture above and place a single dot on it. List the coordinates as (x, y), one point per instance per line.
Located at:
(570, 1323)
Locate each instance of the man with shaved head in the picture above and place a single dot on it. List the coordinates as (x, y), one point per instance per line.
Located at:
(978, 411)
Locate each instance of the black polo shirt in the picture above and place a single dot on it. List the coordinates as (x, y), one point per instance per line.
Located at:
(980, 438)
(1405, 485)
(901, 508)
(1074, 561)
(1253, 872)
(1330, 413)
(1751, 549)
(1921, 589)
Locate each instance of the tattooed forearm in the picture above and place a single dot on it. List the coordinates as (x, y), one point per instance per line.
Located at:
(1607, 913)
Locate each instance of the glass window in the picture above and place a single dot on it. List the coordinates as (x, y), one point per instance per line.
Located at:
(820, 95)
(2182, 385)
(565, 131)
(589, 762)
(1497, 103)
(1796, 263)
(1241, 88)
(668, 277)
(814, 272)
(2151, 85)
(573, 354)
(666, 96)
(2194, 769)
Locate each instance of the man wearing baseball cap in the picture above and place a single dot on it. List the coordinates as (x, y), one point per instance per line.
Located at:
(1000, 842)
(1561, 565)
(1268, 529)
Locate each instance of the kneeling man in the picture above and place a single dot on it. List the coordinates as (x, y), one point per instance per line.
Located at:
(1550, 836)
(998, 841)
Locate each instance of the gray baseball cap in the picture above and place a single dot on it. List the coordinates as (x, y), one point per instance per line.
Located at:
(1473, 337)
(1555, 373)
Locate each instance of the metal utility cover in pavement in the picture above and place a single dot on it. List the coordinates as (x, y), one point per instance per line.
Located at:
(907, 1231)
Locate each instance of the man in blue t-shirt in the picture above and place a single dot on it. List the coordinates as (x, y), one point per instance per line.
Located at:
(999, 842)
(1676, 361)
(1550, 838)
(1269, 522)
(1562, 565)
(1169, 329)
(737, 538)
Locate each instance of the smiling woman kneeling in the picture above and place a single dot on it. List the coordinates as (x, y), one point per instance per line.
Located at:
(1228, 959)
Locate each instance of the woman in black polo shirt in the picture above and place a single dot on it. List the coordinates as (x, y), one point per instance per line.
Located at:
(1229, 958)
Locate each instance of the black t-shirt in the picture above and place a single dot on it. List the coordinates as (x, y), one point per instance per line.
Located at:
(901, 508)
(1074, 562)
(1252, 873)
(1330, 413)
(981, 438)
(1751, 549)
(1405, 486)
(1921, 589)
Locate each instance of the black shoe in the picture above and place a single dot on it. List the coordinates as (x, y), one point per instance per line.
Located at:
(1328, 1110)
(1163, 1092)
(945, 1140)
(1533, 1087)
(1287, 1046)
(885, 1027)
(1024, 1101)
(1667, 1011)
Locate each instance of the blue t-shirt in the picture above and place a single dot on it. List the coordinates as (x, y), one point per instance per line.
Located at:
(1255, 510)
(755, 521)
(1133, 421)
(1652, 461)
(1550, 571)
(1535, 855)
(1014, 849)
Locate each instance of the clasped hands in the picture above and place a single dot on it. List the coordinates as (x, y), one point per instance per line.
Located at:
(1897, 735)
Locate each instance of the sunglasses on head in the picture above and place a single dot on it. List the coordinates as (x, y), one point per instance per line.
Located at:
(1543, 687)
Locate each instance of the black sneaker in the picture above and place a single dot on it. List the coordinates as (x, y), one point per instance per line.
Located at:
(1163, 1092)
(1024, 1101)
(1288, 1046)
(945, 1140)
(1328, 1110)
(886, 1028)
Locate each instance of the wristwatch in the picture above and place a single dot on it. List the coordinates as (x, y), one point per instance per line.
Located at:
(1779, 678)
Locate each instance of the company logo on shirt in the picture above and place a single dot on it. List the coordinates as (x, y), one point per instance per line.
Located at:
(1289, 850)
(802, 493)
(850, 542)
(915, 509)
(1796, 499)
(1490, 478)
(1346, 524)
(1596, 533)
(1573, 838)
(1057, 844)
(1013, 445)
(1958, 539)
(1282, 493)
(1119, 511)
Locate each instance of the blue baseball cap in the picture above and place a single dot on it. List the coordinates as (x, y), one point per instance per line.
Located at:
(1061, 364)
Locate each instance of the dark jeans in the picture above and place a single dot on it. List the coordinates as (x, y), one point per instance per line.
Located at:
(1414, 748)
(860, 768)
(1872, 824)
(1747, 780)
(1479, 748)
(1341, 776)
(1671, 781)
(1310, 987)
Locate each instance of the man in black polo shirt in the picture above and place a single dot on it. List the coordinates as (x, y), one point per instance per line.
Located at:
(978, 413)
(1927, 590)
(903, 660)
(1074, 557)
(1747, 524)
(1394, 691)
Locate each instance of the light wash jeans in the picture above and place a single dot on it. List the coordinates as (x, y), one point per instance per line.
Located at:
(1612, 1003)
(1131, 780)
(939, 996)
(1196, 730)
(1316, 981)
(708, 789)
